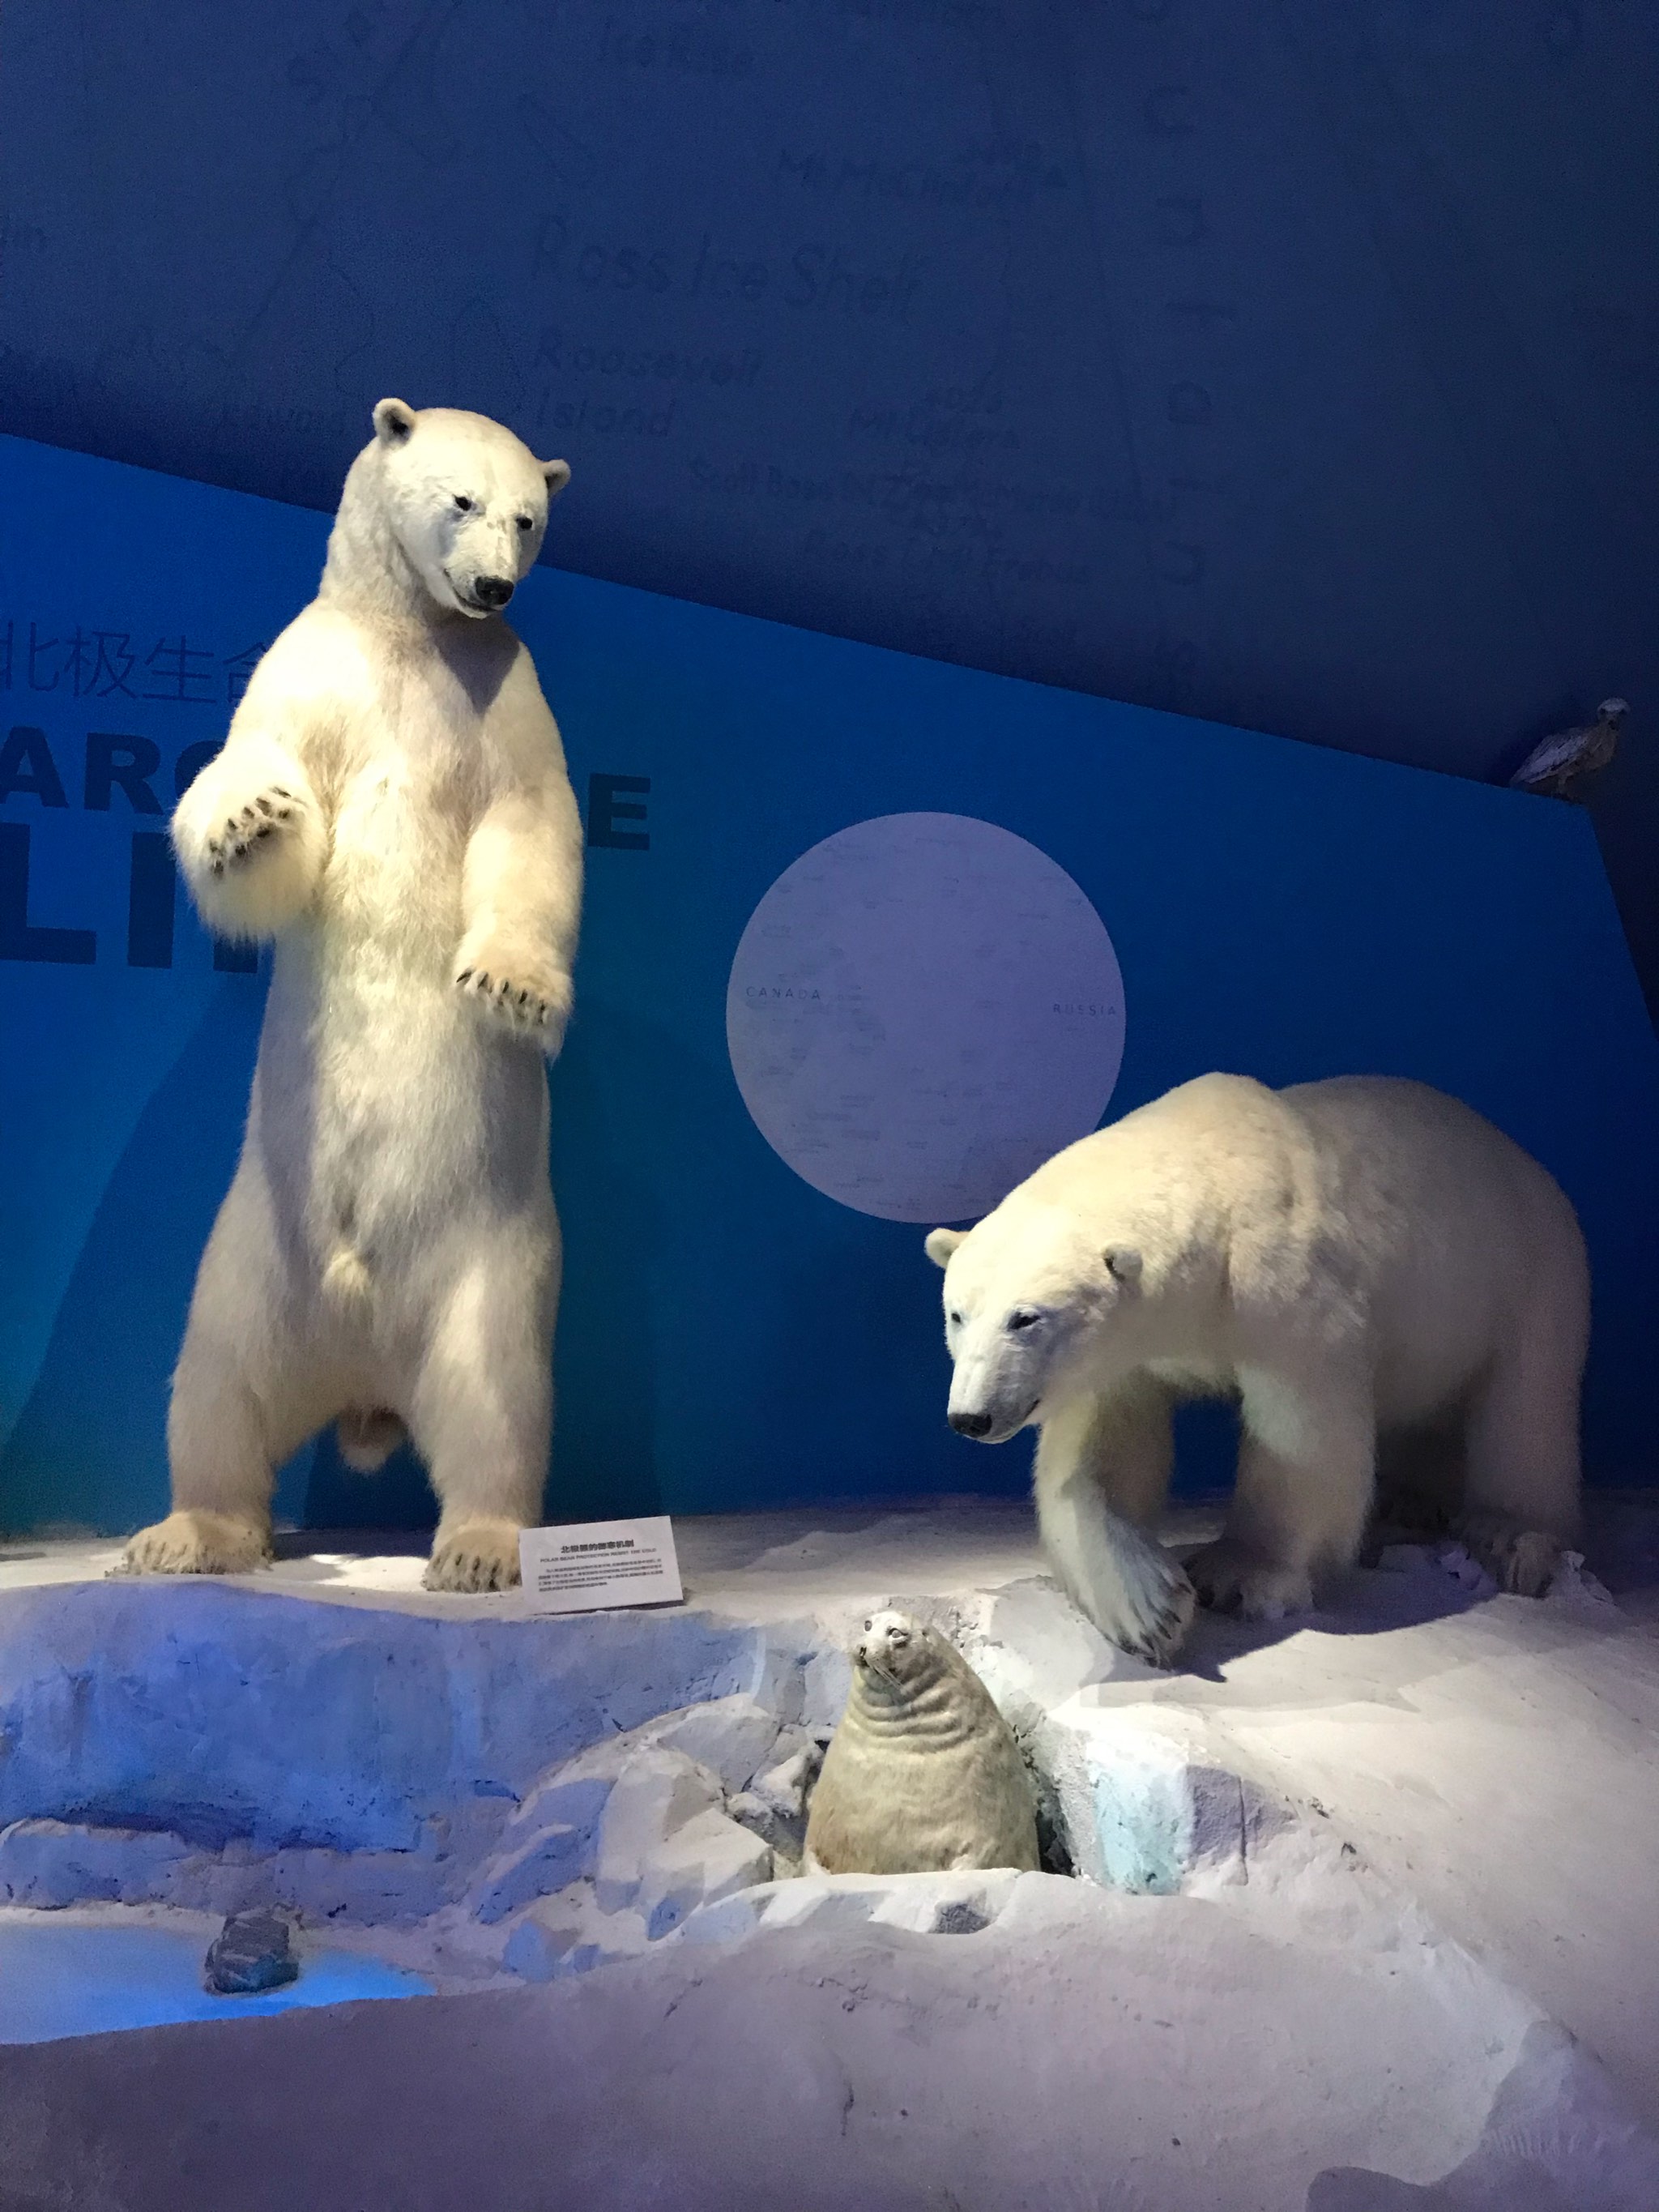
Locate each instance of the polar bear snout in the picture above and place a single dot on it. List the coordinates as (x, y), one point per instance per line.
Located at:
(991, 1428)
(482, 594)
(997, 1378)
(988, 1413)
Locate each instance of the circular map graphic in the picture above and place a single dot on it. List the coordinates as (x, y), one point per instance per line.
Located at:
(923, 1008)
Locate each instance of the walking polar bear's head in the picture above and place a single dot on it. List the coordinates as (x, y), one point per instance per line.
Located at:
(465, 499)
(1033, 1312)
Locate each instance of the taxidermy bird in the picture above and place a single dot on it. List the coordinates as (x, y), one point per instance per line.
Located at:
(1560, 767)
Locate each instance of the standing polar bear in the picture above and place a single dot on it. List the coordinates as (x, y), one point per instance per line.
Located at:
(393, 806)
(1349, 1259)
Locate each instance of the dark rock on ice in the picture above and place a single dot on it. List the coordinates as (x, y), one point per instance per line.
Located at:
(253, 1951)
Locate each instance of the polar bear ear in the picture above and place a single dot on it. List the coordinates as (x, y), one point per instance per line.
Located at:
(557, 474)
(394, 422)
(941, 1243)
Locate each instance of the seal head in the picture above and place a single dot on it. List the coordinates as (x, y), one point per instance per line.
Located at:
(893, 1653)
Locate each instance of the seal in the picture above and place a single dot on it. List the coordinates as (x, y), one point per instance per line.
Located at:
(923, 1775)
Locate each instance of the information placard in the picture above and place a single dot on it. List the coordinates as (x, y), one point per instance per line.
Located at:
(591, 1565)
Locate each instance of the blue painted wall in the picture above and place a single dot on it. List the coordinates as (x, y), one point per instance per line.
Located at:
(730, 1337)
(1292, 365)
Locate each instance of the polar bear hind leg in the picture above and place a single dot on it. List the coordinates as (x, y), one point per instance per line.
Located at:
(246, 1393)
(223, 1448)
(1102, 1475)
(1521, 1497)
(481, 1413)
(1306, 1469)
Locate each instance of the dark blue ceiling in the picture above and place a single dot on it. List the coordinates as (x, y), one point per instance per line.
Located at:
(1293, 364)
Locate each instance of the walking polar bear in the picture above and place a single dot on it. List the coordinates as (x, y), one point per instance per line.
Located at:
(393, 806)
(1353, 1259)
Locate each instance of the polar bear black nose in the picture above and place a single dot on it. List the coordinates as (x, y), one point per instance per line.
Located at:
(492, 591)
(971, 1425)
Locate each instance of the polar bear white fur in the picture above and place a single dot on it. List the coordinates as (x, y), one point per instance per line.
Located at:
(1350, 1259)
(393, 806)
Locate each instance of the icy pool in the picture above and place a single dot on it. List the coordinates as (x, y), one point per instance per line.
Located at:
(61, 1977)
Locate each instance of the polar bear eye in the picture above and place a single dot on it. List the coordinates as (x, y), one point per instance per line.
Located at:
(464, 504)
(1022, 1317)
(524, 522)
(956, 1321)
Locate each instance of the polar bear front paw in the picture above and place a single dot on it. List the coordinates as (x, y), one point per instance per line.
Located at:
(533, 1006)
(1161, 1620)
(198, 1544)
(1230, 1579)
(1144, 1603)
(242, 835)
(474, 1555)
(253, 852)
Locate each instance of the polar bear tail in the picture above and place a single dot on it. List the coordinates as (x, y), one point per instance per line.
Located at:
(366, 1441)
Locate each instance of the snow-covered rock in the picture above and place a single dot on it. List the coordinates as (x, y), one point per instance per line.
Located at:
(554, 1856)
(656, 1794)
(729, 1735)
(709, 1858)
(570, 1934)
(53, 1863)
(1144, 1802)
(922, 1903)
(554, 1837)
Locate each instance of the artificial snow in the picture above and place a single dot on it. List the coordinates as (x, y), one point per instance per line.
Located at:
(1361, 1916)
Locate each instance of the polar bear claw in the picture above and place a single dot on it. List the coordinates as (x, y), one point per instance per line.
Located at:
(196, 1543)
(1158, 1632)
(246, 831)
(535, 1011)
(1523, 1562)
(478, 1556)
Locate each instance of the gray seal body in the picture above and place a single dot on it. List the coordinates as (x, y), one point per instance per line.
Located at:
(923, 1774)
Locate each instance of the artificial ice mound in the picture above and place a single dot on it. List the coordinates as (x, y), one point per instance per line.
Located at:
(539, 1795)
(582, 1835)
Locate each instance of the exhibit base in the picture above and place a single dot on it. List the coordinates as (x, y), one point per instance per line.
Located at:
(1323, 1910)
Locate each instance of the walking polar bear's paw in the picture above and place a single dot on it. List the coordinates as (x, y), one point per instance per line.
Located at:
(1229, 1580)
(1136, 1594)
(1151, 1622)
(1523, 1561)
(1155, 1627)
